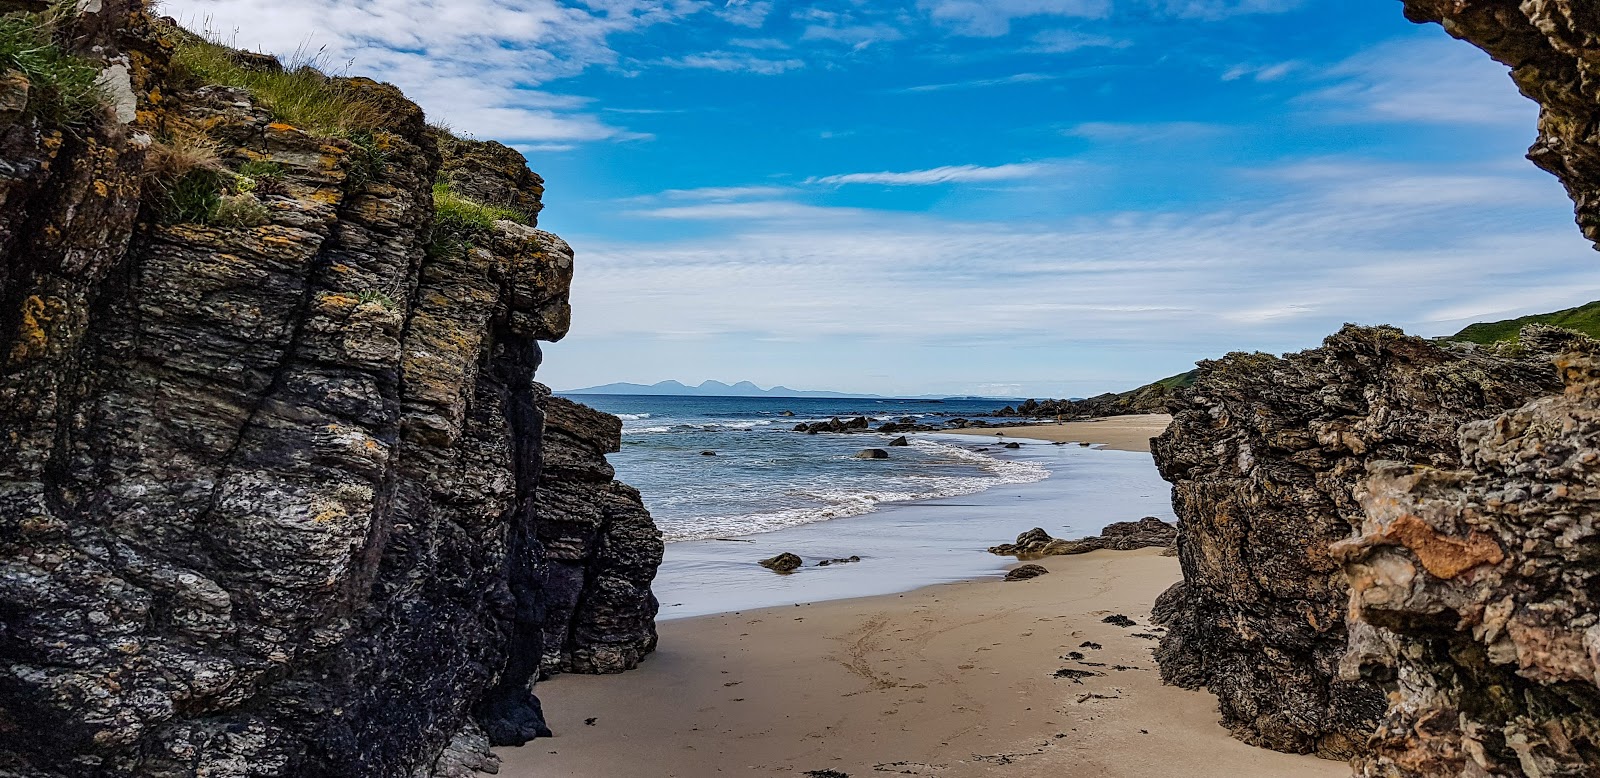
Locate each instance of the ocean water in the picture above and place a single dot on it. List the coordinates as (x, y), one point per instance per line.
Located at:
(766, 477)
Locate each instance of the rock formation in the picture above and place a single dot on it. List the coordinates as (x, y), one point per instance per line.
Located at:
(275, 487)
(1478, 592)
(1264, 458)
(1148, 532)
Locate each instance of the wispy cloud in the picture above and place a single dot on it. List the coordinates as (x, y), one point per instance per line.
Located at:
(1063, 41)
(1263, 73)
(734, 62)
(470, 63)
(949, 174)
(1430, 81)
(745, 13)
(1144, 132)
(992, 18)
(979, 83)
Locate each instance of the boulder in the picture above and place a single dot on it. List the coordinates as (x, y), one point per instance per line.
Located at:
(900, 441)
(783, 563)
(1012, 445)
(1026, 572)
(872, 453)
(787, 413)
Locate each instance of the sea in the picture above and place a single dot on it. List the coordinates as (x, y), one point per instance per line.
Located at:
(924, 516)
(761, 475)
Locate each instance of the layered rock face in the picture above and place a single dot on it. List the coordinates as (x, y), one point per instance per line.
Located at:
(1478, 591)
(273, 498)
(1264, 457)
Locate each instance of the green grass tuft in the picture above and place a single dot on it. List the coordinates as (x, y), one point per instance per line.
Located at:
(299, 94)
(192, 198)
(63, 89)
(1584, 319)
(459, 223)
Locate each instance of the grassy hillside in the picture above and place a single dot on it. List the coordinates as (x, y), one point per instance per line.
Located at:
(1584, 319)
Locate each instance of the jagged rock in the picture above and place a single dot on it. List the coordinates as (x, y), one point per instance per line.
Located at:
(1264, 458)
(1148, 532)
(846, 560)
(1027, 572)
(1031, 542)
(900, 441)
(872, 453)
(783, 563)
(1487, 581)
(601, 548)
(270, 496)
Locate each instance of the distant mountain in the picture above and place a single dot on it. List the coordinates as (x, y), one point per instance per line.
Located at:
(709, 389)
(1584, 319)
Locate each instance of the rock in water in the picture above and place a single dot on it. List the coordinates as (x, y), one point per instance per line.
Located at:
(783, 563)
(1012, 444)
(872, 453)
(1027, 572)
(900, 441)
(280, 496)
(1147, 532)
(1264, 457)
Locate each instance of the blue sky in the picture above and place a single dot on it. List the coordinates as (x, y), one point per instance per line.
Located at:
(1021, 197)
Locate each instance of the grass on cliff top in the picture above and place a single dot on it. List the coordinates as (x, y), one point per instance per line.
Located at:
(300, 94)
(63, 89)
(459, 223)
(1584, 319)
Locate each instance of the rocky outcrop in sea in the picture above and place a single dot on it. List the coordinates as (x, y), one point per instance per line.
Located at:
(279, 495)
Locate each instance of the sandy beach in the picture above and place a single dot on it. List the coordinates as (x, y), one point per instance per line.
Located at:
(949, 680)
(1121, 433)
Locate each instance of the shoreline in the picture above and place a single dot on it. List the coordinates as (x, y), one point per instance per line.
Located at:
(948, 680)
(1117, 433)
(904, 546)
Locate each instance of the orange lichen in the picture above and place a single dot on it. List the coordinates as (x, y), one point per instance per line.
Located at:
(32, 337)
(1442, 555)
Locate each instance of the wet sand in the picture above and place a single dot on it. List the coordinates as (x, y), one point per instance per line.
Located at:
(1121, 433)
(950, 680)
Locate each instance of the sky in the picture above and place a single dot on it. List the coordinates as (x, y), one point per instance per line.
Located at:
(1042, 198)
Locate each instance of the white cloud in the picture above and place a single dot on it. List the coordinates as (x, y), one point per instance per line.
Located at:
(734, 62)
(992, 18)
(1263, 73)
(1212, 10)
(979, 83)
(1368, 242)
(1425, 81)
(1144, 132)
(470, 63)
(745, 13)
(857, 36)
(1063, 41)
(949, 174)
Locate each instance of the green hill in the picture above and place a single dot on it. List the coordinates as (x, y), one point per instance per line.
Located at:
(1584, 319)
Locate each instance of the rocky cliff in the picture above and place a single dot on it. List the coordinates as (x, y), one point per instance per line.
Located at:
(1265, 456)
(1386, 515)
(276, 487)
